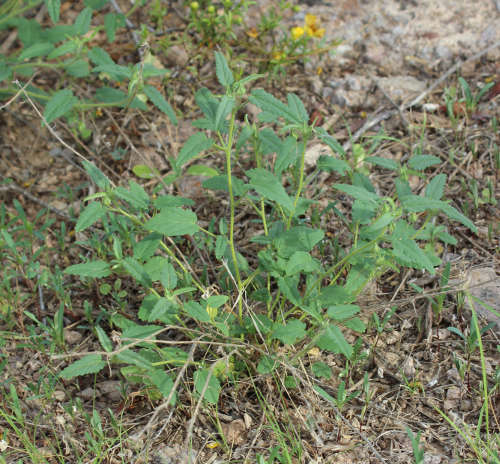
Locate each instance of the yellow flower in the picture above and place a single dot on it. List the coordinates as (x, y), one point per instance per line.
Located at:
(297, 32)
(277, 56)
(312, 28)
(253, 32)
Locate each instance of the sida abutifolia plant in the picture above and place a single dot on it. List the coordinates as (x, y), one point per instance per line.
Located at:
(270, 289)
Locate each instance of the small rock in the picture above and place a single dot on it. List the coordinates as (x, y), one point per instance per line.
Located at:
(72, 337)
(59, 395)
(234, 431)
(87, 394)
(177, 56)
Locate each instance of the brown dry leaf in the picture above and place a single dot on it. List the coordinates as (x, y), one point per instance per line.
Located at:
(235, 431)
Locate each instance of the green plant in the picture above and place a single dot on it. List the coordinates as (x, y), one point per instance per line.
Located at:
(66, 49)
(287, 294)
(418, 451)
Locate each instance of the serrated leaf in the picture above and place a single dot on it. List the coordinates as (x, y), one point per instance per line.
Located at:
(211, 392)
(89, 216)
(359, 193)
(321, 369)
(90, 364)
(136, 270)
(173, 221)
(164, 383)
(159, 101)
(194, 145)
(196, 311)
(272, 107)
(301, 261)
(435, 188)
(266, 365)
(136, 195)
(78, 68)
(290, 332)
(331, 141)
(164, 310)
(297, 107)
(341, 312)
(333, 340)
(36, 50)
(63, 49)
(386, 163)
(422, 162)
(96, 269)
(53, 7)
(115, 71)
(82, 21)
(61, 103)
(267, 185)
(131, 357)
(408, 252)
(355, 324)
(416, 204)
(224, 74)
(112, 22)
(99, 56)
(168, 277)
(224, 108)
(97, 176)
(330, 163)
(104, 340)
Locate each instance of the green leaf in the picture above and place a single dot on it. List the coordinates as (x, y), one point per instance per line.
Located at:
(194, 145)
(324, 394)
(422, 162)
(290, 332)
(333, 340)
(334, 295)
(321, 369)
(90, 215)
(266, 365)
(136, 196)
(202, 170)
(224, 74)
(155, 265)
(267, 185)
(53, 7)
(112, 22)
(35, 50)
(386, 163)
(115, 71)
(330, 163)
(164, 383)
(409, 253)
(215, 301)
(196, 311)
(104, 340)
(61, 103)
(137, 271)
(63, 49)
(416, 204)
(144, 172)
(90, 364)
(96, 269)
(359, 193)
(159, 101)
(355, 324)
(301, 261)
(272, 107)
(164, 310)
(82, 22)
(78, 68)
(435, 188)
(224, 108)
(331, 141)
(341, 312)
(97, 176)
(100, 56)
(168, 277)
(173, 221)
(297, 108)
(220, 183)
(270, 142)
(131, 357)
(211, 393)
(221, 245)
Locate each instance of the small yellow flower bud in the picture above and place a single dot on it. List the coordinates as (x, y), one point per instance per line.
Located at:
(211, 9)
(297, 32)
(194, 6)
